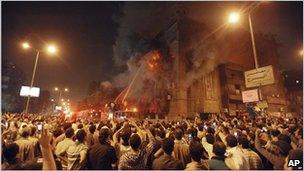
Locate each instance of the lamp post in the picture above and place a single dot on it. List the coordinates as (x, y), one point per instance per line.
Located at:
(256, 64)
(234, 18)
(50, 49)
(32, 82)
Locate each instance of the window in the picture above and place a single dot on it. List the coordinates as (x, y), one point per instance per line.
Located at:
(237, 89)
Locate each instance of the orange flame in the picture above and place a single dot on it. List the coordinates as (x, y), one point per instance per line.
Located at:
(151, 65)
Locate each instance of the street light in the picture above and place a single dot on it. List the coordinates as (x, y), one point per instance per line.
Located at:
(25, 45)
(51, 50)
(66, 89)
(234, 17)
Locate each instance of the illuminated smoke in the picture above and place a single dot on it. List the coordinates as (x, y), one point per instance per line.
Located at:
(138, 69)
(204, 61)
(139, 24)
(106, 84)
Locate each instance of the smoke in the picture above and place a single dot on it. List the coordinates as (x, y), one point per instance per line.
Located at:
(199, 49)
(201, 67)
(204, 61)
(139, 24)
(138, 76)
(106, 84)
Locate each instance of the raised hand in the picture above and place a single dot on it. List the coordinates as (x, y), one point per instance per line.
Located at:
(45, 139)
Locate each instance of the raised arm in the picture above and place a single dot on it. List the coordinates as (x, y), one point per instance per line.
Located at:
(115, 134)
(271, 157)
(46, 150)
(149, 133)
(83, 155)
(139, 130)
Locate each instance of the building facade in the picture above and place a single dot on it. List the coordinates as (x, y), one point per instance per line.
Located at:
(232, 84)
(203, 83)
(294, 85)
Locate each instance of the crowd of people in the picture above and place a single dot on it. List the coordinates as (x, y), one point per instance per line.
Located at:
(33, 142)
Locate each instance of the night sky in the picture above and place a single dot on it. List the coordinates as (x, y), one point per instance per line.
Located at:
(85, 33)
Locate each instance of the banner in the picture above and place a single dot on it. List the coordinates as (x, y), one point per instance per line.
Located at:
(27, 91)
(262, 104)
(258, 77)
(250, 96)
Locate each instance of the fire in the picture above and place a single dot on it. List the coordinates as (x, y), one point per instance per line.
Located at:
(154, 60)
(135, 109)
(151, 65)
(156, 55)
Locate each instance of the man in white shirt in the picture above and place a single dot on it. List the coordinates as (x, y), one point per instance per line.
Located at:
(26, 147)
(209, 144)
(238, 158)
(62, 147)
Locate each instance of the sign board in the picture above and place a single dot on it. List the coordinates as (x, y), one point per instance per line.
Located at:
(262, 104)
(35, 91)
(27, 91)
(275, 100)
(259, 76)
(250, 96)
